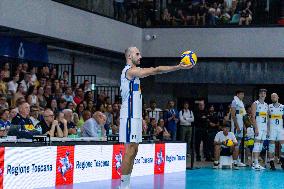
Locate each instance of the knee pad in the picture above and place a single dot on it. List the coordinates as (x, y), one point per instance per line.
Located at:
(257, 147)
(271, 148)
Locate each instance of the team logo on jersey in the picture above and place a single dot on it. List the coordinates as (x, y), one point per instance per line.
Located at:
(65, 165)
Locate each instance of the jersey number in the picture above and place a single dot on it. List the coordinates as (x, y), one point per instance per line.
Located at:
(277, 121)
(264, 120)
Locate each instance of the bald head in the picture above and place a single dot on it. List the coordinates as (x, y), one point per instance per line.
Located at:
(133, 55)
(274, 97)
(100, 117)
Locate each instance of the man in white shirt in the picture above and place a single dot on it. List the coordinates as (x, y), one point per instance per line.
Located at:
(153, 111)
(222, 143)
(186, 118)
(13, 85)
(27, 82)
(92, 126)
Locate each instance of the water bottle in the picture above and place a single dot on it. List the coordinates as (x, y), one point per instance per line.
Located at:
(79, 132)
(39, 129)
(99, 132)
(110, 131)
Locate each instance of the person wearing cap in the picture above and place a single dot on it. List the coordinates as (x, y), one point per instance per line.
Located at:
(4, 122)
(222, 146)
(260, 123)
(238, 112)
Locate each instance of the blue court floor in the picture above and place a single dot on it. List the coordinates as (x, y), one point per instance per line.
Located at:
(205, 178)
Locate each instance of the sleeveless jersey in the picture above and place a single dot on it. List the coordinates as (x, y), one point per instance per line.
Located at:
(261, 114)
(276, 115)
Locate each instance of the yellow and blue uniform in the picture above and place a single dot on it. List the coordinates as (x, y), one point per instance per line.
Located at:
(276, 122)
(261, 118)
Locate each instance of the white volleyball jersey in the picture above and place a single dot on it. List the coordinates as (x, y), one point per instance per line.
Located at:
(240, 112)
(261, 115)
(131, 96)
(276, 115)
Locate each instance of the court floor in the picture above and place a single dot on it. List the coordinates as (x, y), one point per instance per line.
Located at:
(204, 178)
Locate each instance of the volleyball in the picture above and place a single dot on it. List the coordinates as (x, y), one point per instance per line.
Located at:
(188, 57)
(229, 143)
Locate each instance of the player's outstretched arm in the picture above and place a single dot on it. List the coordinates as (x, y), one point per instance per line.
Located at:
(144, 72)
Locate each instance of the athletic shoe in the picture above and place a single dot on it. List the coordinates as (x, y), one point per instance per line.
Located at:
(282, 162)
(272, 166)
(216, 165)
(240, 164)
(258, 167)
(235, 166)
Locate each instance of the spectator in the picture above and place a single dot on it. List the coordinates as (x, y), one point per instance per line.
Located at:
(68, 96)
(34, 114)
(79, 110)
(172, 116)
(27, 82)
(6, 70)
(86, 86)
(13, 113)
(65, 77)
(19, 94)
(3, 84)
(115, 114)
(167, 19)
(227, 117)
(109, 119)
(86, 115)
(56, 85)
(33, 76)
(32, 96)
(42, 82)
(89, 96)
(201, 15)
(191, 15)
(13, 84)
(154, 112)
(161, 132)
(71, 106)
(68, 115)
(48, 95)
(53, 73)
(62, 105)
(179, 18)
(41, 99)
(201, 124)
(246, 14)
(53, 106)
(4, 122)
(3, 102)
(79, 97)
(24, 122)
(58, 94)
(49, 125)
(151, 129)
(213, 128)
(186, 118)
(118, 9)
(62, 123)
(92, 126)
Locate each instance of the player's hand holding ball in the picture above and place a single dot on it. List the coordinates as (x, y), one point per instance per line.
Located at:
(188, 60)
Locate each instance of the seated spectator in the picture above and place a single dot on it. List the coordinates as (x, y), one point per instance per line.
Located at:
(109, 119)
(6, 70)
(246, 14)
(115, 113)
(91, 107)
(58, 94)
(65, 76)
(86, 86)
(68, 96)
(4, 122)
(3, 102)
(19, 94)
(92, 126)
(49, 125)
(86, 115)
(79, 97)
(221, 146)
(71, 106)
(144, 127)
(26, 82)
(62, 105)
(167, 19)
(53, 106)
(32, 96)
(62, 123)
(79, 111)
(25, 127)
(152, 128)
(34, 76)
(41, 99)
(179, 18)
(34, 114)
(89, 96)
(161, 131)
(68, 115)
(13, 84)
(48, 95)
(3, 84)
(13, 113)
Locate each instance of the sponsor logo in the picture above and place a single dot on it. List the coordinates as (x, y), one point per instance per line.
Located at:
(26, 169)
(65, 165)
(172, 158)
(159, 159)
(90, 164)
(118, 153)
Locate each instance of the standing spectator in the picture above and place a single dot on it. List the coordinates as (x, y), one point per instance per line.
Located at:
(172, 116)
(246, 14)
(86, 86)
(154, 112)
(27, 82)
(186, 118)
(13, 84)
(201, 15)
(4, 122)
(201, 124)
(79, 96)
(32, 96)
(3, 84)
(92, 125)
(68, 115)
(109, 118)
(213, 128)
(68, 96)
